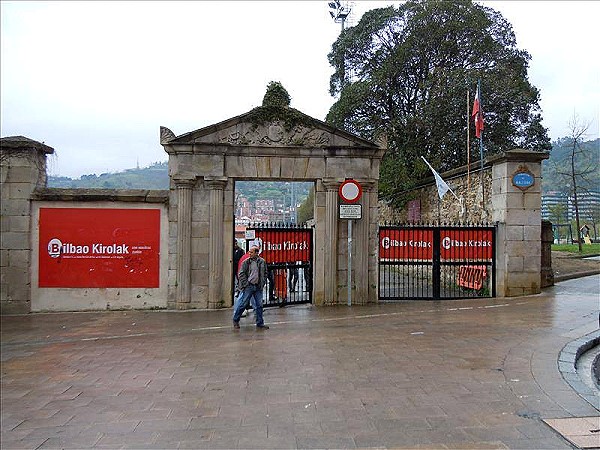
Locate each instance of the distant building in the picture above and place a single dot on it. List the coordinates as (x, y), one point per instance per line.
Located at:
(552, 199)
(589, 206)
(265, 206)
(243, 207)
(588, 202)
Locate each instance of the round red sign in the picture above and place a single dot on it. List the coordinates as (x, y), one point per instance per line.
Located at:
(350, 191)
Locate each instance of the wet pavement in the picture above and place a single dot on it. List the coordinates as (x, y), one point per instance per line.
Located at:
(416, 374)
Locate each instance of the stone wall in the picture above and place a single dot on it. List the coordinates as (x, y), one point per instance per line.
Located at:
(24, 192)
(472, 205)
(22, 170)
(105, 298)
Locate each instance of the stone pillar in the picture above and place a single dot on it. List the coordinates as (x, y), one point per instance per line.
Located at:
(518, 213)
(215, 254)
(331, 241)
(22, 171)
(362, 255)
(547, 274)
(184, 241)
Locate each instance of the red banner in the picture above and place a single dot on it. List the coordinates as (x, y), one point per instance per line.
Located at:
(472, 245)
(99, 248)
(411, 244)
(283, 246)
(417, 244)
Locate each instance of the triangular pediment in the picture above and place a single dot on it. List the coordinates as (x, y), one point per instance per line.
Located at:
(258, 129)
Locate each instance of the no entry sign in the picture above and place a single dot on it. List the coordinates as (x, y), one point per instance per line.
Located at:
(350, 191)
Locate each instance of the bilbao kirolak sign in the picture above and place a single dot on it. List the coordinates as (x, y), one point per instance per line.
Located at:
(406, 244)
(283, 246)
(99, 248)
(417, 245)
(474, 245)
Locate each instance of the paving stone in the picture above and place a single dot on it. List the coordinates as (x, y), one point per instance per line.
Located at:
(321, 378)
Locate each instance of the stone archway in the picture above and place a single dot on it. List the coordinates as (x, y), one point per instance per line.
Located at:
(267, 143)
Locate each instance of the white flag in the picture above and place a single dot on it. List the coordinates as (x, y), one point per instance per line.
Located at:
(442, 186)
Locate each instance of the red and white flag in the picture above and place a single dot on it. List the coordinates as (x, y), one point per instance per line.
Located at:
(477, 114)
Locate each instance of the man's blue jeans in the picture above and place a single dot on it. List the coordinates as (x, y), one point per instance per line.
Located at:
(252, 291)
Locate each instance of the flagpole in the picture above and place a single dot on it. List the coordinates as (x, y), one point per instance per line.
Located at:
(481, 148)
(468, 144)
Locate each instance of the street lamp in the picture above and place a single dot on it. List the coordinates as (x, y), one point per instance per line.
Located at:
(338, 12)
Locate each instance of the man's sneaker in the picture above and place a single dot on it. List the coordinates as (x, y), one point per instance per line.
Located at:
(262, 327)
(236, 325)
(245, 313)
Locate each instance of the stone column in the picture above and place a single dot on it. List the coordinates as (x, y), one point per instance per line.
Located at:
(184, 241)
(216, 186)
(362, 256)
(331, 240)
(518, 213)
(547, 274)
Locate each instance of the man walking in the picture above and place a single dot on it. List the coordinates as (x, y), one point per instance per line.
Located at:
(251, 281)
(238, 257)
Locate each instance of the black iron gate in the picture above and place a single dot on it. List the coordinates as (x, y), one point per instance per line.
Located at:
(436, 262)
(287, 249)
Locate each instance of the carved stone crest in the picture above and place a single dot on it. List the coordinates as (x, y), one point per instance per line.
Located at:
(275, 134)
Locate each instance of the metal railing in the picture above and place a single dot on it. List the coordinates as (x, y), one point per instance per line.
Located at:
(287, 249)
(436, 262)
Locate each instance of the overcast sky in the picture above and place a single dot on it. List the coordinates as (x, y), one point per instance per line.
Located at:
(96, 80)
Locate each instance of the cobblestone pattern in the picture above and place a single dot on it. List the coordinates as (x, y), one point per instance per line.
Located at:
(454, 374)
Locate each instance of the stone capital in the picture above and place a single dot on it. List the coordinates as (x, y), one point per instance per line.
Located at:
(184, 181)
(217, 183)
(332, 184)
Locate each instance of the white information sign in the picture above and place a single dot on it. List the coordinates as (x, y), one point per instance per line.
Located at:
(350, 211)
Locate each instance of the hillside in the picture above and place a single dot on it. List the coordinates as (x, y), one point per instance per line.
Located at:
(155, 176)
(587, 163)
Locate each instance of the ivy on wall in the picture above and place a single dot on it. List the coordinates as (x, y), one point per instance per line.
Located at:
(276, 107)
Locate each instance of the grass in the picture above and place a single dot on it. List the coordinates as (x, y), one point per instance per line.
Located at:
(587, 249)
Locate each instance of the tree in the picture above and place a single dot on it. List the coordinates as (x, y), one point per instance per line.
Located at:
(553, 181)
(557, 213)
(574, 172)
(306, 210)
(412, 66)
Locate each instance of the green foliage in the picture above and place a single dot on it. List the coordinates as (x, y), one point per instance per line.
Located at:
(558, 212)
(406, 71)
(276, 106)
(587, 249)
(276, 95)
(306, 210)
(290, 116)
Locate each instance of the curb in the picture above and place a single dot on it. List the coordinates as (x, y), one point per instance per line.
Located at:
(567, 363)
(572, 276)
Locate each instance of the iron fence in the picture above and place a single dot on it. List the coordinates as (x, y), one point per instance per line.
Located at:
(287, 250)
(436, 262)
